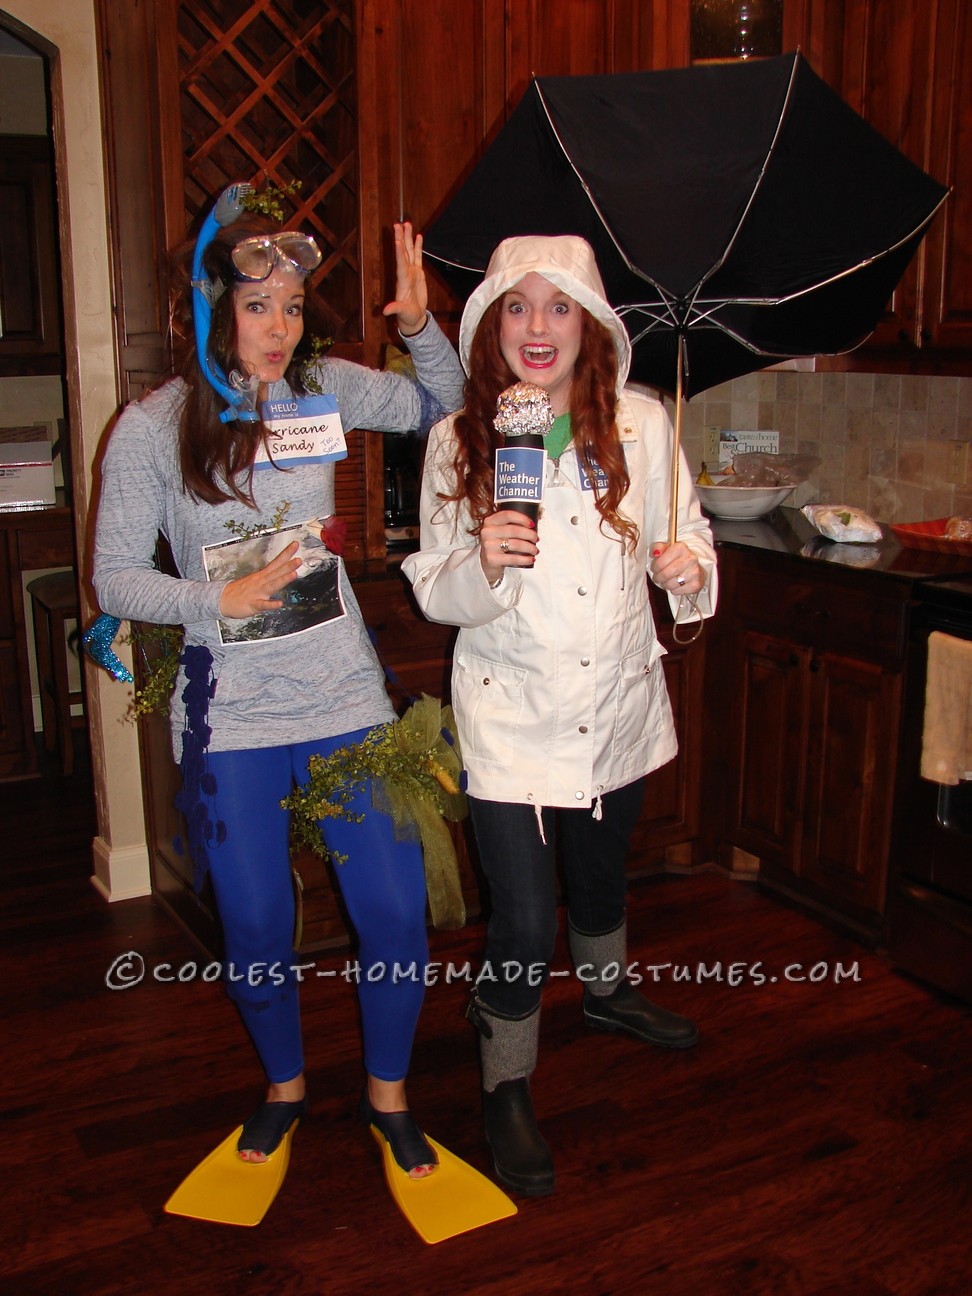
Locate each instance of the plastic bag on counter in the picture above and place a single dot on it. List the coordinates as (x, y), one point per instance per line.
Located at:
(843, 522)
(758, 468)
(856, 555)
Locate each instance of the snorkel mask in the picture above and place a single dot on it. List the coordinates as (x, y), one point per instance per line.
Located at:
(253, 261)
(254, 258)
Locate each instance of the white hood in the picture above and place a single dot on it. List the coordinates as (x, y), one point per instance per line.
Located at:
(565, 260)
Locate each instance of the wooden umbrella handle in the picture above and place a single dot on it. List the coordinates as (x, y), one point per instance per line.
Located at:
(676, 444)
(673, 502)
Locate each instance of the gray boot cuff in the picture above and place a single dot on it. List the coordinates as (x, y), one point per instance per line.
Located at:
(599, 961)
(507, 1046)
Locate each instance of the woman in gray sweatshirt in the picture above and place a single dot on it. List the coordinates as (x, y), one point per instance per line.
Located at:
(276, 664)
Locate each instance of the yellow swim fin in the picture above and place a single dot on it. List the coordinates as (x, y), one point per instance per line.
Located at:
(453, 1199)
(226, 1190)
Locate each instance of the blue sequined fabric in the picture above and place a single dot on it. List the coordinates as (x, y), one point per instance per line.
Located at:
(97, 641)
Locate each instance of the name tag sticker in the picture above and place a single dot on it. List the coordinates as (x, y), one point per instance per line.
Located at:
(519, 475)
(586, 482)
(303, 430)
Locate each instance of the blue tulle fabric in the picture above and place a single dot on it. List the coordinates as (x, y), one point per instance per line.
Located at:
(195, 797)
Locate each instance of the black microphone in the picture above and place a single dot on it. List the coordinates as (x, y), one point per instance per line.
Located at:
(523, 417)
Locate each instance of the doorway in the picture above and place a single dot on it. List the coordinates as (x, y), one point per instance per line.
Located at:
(32, 358)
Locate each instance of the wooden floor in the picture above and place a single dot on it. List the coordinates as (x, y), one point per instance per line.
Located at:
(817, 1140)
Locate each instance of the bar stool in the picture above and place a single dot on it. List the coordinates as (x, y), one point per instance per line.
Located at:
(54, 601)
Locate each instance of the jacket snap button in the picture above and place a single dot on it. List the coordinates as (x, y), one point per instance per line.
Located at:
(486, 679)
(579, 796)
(582, 729)
(575, 521)
(582, 590)
(585, 661)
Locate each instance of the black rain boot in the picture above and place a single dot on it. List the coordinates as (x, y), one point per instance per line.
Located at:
(612, 1004)
(508, 1051)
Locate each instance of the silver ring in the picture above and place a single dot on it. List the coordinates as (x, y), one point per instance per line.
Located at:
(681, 580)
(505, 545)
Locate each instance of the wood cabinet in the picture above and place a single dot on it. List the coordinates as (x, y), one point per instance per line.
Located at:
(907, 69)
(813, 682)
(944, 322)
(30, 292)
(440, 103)
(379, 120)
(669, 833)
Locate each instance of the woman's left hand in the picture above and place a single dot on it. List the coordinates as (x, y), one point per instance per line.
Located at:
(675, 568)
(411, 292)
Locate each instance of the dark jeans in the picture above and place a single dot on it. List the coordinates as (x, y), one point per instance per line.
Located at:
(522, 876)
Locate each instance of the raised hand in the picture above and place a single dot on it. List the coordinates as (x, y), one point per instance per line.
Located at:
(411, 292)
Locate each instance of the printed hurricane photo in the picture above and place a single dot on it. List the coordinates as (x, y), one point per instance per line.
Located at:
(313, 598)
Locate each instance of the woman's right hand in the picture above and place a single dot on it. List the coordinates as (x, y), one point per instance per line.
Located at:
(255, 593)
(507, 539)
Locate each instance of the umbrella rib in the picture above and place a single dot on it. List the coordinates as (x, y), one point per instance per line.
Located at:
(669, 312)
(665, 314)
(717, 303)
(661, 314)
(759, 180)
(700, 312)
(842, 274)
(643, 333)
(590, 197)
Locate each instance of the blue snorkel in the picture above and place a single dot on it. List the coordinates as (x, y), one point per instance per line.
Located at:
(240, 397)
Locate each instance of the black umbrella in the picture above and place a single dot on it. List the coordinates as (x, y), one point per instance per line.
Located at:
(741, 214)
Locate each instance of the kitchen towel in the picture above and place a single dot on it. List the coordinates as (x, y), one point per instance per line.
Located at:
(946, 753)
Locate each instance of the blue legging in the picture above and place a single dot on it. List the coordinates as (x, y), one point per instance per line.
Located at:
(383, 885)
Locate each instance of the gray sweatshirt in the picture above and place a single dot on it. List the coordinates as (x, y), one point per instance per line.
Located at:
(317, 684)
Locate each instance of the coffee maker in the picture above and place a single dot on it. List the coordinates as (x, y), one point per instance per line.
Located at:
(403, 471)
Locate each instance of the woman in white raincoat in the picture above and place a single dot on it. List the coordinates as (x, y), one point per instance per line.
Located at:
(558, 687)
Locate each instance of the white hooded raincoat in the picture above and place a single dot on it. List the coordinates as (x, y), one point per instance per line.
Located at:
(557, 681)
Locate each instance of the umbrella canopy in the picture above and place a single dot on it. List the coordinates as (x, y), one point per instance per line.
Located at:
(743, 208)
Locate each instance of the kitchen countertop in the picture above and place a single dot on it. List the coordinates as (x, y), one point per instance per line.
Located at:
(786, 531)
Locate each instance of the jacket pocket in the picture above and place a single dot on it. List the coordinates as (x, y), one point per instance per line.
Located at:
(488, 696)
(640, 686)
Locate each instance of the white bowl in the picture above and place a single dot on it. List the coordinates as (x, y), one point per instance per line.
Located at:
(741, 501)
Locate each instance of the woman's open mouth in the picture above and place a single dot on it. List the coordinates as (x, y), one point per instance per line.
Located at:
(538, 357)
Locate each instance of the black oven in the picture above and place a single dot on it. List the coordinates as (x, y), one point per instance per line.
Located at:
(929, 925)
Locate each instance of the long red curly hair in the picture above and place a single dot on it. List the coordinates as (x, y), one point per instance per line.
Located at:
(592, 418)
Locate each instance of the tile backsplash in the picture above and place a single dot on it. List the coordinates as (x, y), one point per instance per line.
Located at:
(890, 444)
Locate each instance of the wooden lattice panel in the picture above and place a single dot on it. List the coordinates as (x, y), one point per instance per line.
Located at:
(268, 93)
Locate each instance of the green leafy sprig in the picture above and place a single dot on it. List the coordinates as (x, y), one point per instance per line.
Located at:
(268, 201)
(335, 779)
(160, 647)
(243, 532)
(414, 767)
(318, 348)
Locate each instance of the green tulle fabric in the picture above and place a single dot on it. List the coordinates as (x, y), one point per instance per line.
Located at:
(415, 766)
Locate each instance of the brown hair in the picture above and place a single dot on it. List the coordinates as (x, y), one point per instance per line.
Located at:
(593, 405)
(217, 458)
